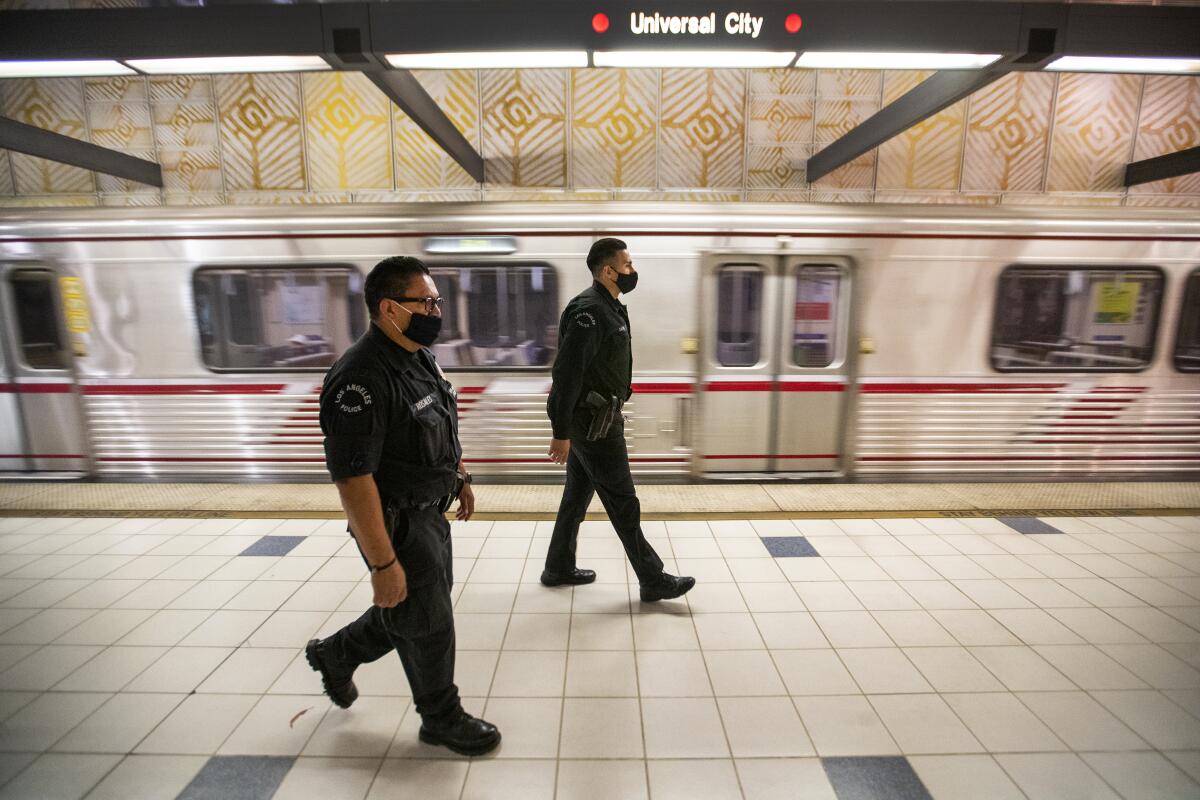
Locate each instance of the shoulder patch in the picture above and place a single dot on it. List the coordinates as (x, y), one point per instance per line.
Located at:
(584, 319)
(352, 398)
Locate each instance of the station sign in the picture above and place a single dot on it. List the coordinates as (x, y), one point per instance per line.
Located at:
(649, 22)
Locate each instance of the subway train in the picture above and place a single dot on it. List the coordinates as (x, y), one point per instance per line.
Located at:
(770, 341)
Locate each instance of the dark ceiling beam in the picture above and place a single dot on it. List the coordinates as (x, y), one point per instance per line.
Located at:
(22, 138)
(1172, 165)
(406, 92)
(926, 99)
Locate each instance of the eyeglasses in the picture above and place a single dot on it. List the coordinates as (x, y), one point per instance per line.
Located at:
(430, 303)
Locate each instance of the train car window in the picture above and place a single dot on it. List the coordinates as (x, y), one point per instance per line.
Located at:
(739, 315)
(1187, 339)
(497, 317)
(277, 318)
(37, 319)
(815, 318)
(1093, 319)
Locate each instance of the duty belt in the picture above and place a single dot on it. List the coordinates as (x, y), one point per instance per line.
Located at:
(604, 413)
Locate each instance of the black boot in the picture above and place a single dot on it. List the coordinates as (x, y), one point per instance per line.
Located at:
(462, 733)
(338, 684)
(667, 587)
(575, 577)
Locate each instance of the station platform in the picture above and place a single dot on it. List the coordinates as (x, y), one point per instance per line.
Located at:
(843, 641)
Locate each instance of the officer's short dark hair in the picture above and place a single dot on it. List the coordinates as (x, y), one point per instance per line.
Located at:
(390, 278)
(603, 251)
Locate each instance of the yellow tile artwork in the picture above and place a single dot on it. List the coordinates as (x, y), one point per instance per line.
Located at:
(689, 134)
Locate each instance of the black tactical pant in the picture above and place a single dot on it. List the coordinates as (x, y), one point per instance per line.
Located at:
(421, 629)
(601, 467)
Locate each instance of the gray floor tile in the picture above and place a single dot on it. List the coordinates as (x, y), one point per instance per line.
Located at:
(874, 778)
(238, 778)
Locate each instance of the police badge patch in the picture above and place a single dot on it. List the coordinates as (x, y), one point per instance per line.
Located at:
(352, 398)
(585, 320)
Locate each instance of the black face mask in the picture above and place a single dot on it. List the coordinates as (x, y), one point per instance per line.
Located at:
(422, 328)
(626, 283)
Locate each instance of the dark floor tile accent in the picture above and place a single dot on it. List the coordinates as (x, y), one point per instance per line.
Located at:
(789, 546)
(874, 778)
(238, 778)
(1028, 525)
(273, 546)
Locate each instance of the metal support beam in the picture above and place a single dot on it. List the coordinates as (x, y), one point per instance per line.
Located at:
(929, 97)
(1172, 165)
(22, 138)
(405, 91)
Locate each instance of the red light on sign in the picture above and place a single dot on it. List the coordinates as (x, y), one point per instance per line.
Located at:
(793, 23)
(600, 23)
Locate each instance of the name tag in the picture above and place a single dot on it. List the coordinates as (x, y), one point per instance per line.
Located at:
(423, 403)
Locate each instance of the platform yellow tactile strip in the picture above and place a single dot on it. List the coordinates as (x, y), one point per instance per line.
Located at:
(659, 501)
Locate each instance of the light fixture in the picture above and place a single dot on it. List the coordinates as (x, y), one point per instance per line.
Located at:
(62, 69)
(1105, 64)
(865, 60)
(224, 64)
(500, 59)
(730, 59)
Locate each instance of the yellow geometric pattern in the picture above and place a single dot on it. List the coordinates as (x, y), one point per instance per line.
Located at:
(1169, 122)
(703, 124)
(1094, 122)
(261, 131)
(929, 154)
(420, 163)
(347, 127)
(698, 135)
(525, 126)
(55, 104)
(1007, 134)
(614, 123)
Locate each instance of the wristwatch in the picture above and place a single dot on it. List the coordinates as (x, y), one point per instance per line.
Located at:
(465, 476)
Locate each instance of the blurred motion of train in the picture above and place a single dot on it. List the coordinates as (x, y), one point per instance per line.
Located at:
(888, 342)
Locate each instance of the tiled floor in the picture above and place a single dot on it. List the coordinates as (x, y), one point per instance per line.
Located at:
(894, 658)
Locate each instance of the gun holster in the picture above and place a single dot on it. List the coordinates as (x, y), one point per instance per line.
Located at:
(604, 413)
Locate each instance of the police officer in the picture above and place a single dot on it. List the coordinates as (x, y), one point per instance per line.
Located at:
(591, 380)
(390, 421)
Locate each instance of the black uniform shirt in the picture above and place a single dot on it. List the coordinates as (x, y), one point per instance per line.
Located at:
(392, 414)
(595, 353)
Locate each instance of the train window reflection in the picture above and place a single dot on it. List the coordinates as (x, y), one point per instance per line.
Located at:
(1187, 340)
(277, 318)
(37, 319)
(497, 316)
(815, 317)
(1083, 319)
(739, 315)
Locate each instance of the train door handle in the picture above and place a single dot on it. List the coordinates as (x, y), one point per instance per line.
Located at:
(683, 421)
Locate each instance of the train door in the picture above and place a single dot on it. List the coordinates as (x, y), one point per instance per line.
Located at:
(773, 364)
(41, 411)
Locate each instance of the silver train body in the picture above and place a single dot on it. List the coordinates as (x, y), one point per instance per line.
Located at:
(789, 342)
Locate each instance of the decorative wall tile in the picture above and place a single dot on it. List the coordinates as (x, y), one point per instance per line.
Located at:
(432, 196)
(782, 103)
(820, 195)
(929, 154)
(347, 132)
(614, 126)
(55, 104)
(846, 98)
(1008, 133)
(1164, 200)
(779, 167)
(1098, 200)
(260, 131)
(1169, 122)
(1094, 122)
(6, 177)
(703, 122)
(938, 198)
(50, 200)
(542, 195)
(525, 127)
(420, 163)
(151, 198)
(174, 198)
(787, 196)
(184, 112)
(287, 198)
(118, 112)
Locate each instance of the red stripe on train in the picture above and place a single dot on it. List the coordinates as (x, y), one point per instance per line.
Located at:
(41, 455)
(959, 388)
(35, 388)
(768, 386)
(191, 388)
(773, 455)
(1029, 458)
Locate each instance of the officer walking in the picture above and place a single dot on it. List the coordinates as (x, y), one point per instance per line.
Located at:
(592, 379)
(390, 421)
